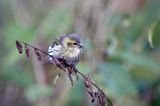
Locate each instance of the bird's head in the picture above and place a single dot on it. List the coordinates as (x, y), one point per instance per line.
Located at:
(71, 41)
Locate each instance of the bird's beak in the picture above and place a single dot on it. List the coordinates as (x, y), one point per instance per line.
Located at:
(81, 46)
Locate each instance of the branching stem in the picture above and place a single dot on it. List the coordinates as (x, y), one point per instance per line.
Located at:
(81, 74)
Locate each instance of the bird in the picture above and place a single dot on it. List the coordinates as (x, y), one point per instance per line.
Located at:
(67, 49)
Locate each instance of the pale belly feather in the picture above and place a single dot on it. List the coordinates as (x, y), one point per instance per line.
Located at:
(70, 55)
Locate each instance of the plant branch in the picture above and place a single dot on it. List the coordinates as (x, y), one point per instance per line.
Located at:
(79, 73)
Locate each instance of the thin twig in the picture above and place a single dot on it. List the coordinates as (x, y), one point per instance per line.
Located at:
(81, 74)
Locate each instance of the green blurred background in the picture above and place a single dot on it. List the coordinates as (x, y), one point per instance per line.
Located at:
(118, 55)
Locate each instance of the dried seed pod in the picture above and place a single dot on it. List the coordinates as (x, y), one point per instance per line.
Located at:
(87, 82)
(70, 78)
(102, 98)
(93, 100)
(55, 80)
(92, 96)
(19, 47)
(95, 94)
(60, 63)
(75, 72)
(27, 51)
(37, 54)
(77, 77)
(70, 69)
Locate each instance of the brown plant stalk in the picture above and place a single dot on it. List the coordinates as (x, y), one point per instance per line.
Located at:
(99, 95)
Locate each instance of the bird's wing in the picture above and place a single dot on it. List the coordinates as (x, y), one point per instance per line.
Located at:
(54, 50)
(60, 37)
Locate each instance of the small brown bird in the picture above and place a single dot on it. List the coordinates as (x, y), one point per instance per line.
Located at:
(67, 48)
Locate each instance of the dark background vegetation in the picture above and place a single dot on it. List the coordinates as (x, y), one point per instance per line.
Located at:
(117, 52)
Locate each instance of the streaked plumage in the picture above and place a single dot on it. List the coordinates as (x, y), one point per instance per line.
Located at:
(67, 48)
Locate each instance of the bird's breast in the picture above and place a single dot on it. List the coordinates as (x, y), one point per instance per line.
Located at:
(72, 55)
(73, 52)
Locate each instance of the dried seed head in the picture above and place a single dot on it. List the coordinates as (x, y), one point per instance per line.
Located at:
(87, 82)
(92, 100)
(92, 96)
(37, 52)
(75, 72)
(102, 98)
(70, 73)
(19, 47)
(27, 51)
(70, 78)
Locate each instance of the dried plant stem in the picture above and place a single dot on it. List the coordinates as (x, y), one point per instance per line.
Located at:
(77, 72)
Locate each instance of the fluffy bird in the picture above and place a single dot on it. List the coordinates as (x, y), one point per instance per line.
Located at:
(67, 49)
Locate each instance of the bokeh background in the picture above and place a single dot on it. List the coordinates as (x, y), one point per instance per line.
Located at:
(117, 55)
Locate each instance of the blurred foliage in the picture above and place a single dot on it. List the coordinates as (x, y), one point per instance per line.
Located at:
(17, 76)
(154, 34)
(112, 77)
(36, 92)
(127, 67)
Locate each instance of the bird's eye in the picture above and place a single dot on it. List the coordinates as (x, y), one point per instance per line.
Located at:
(74, 43)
